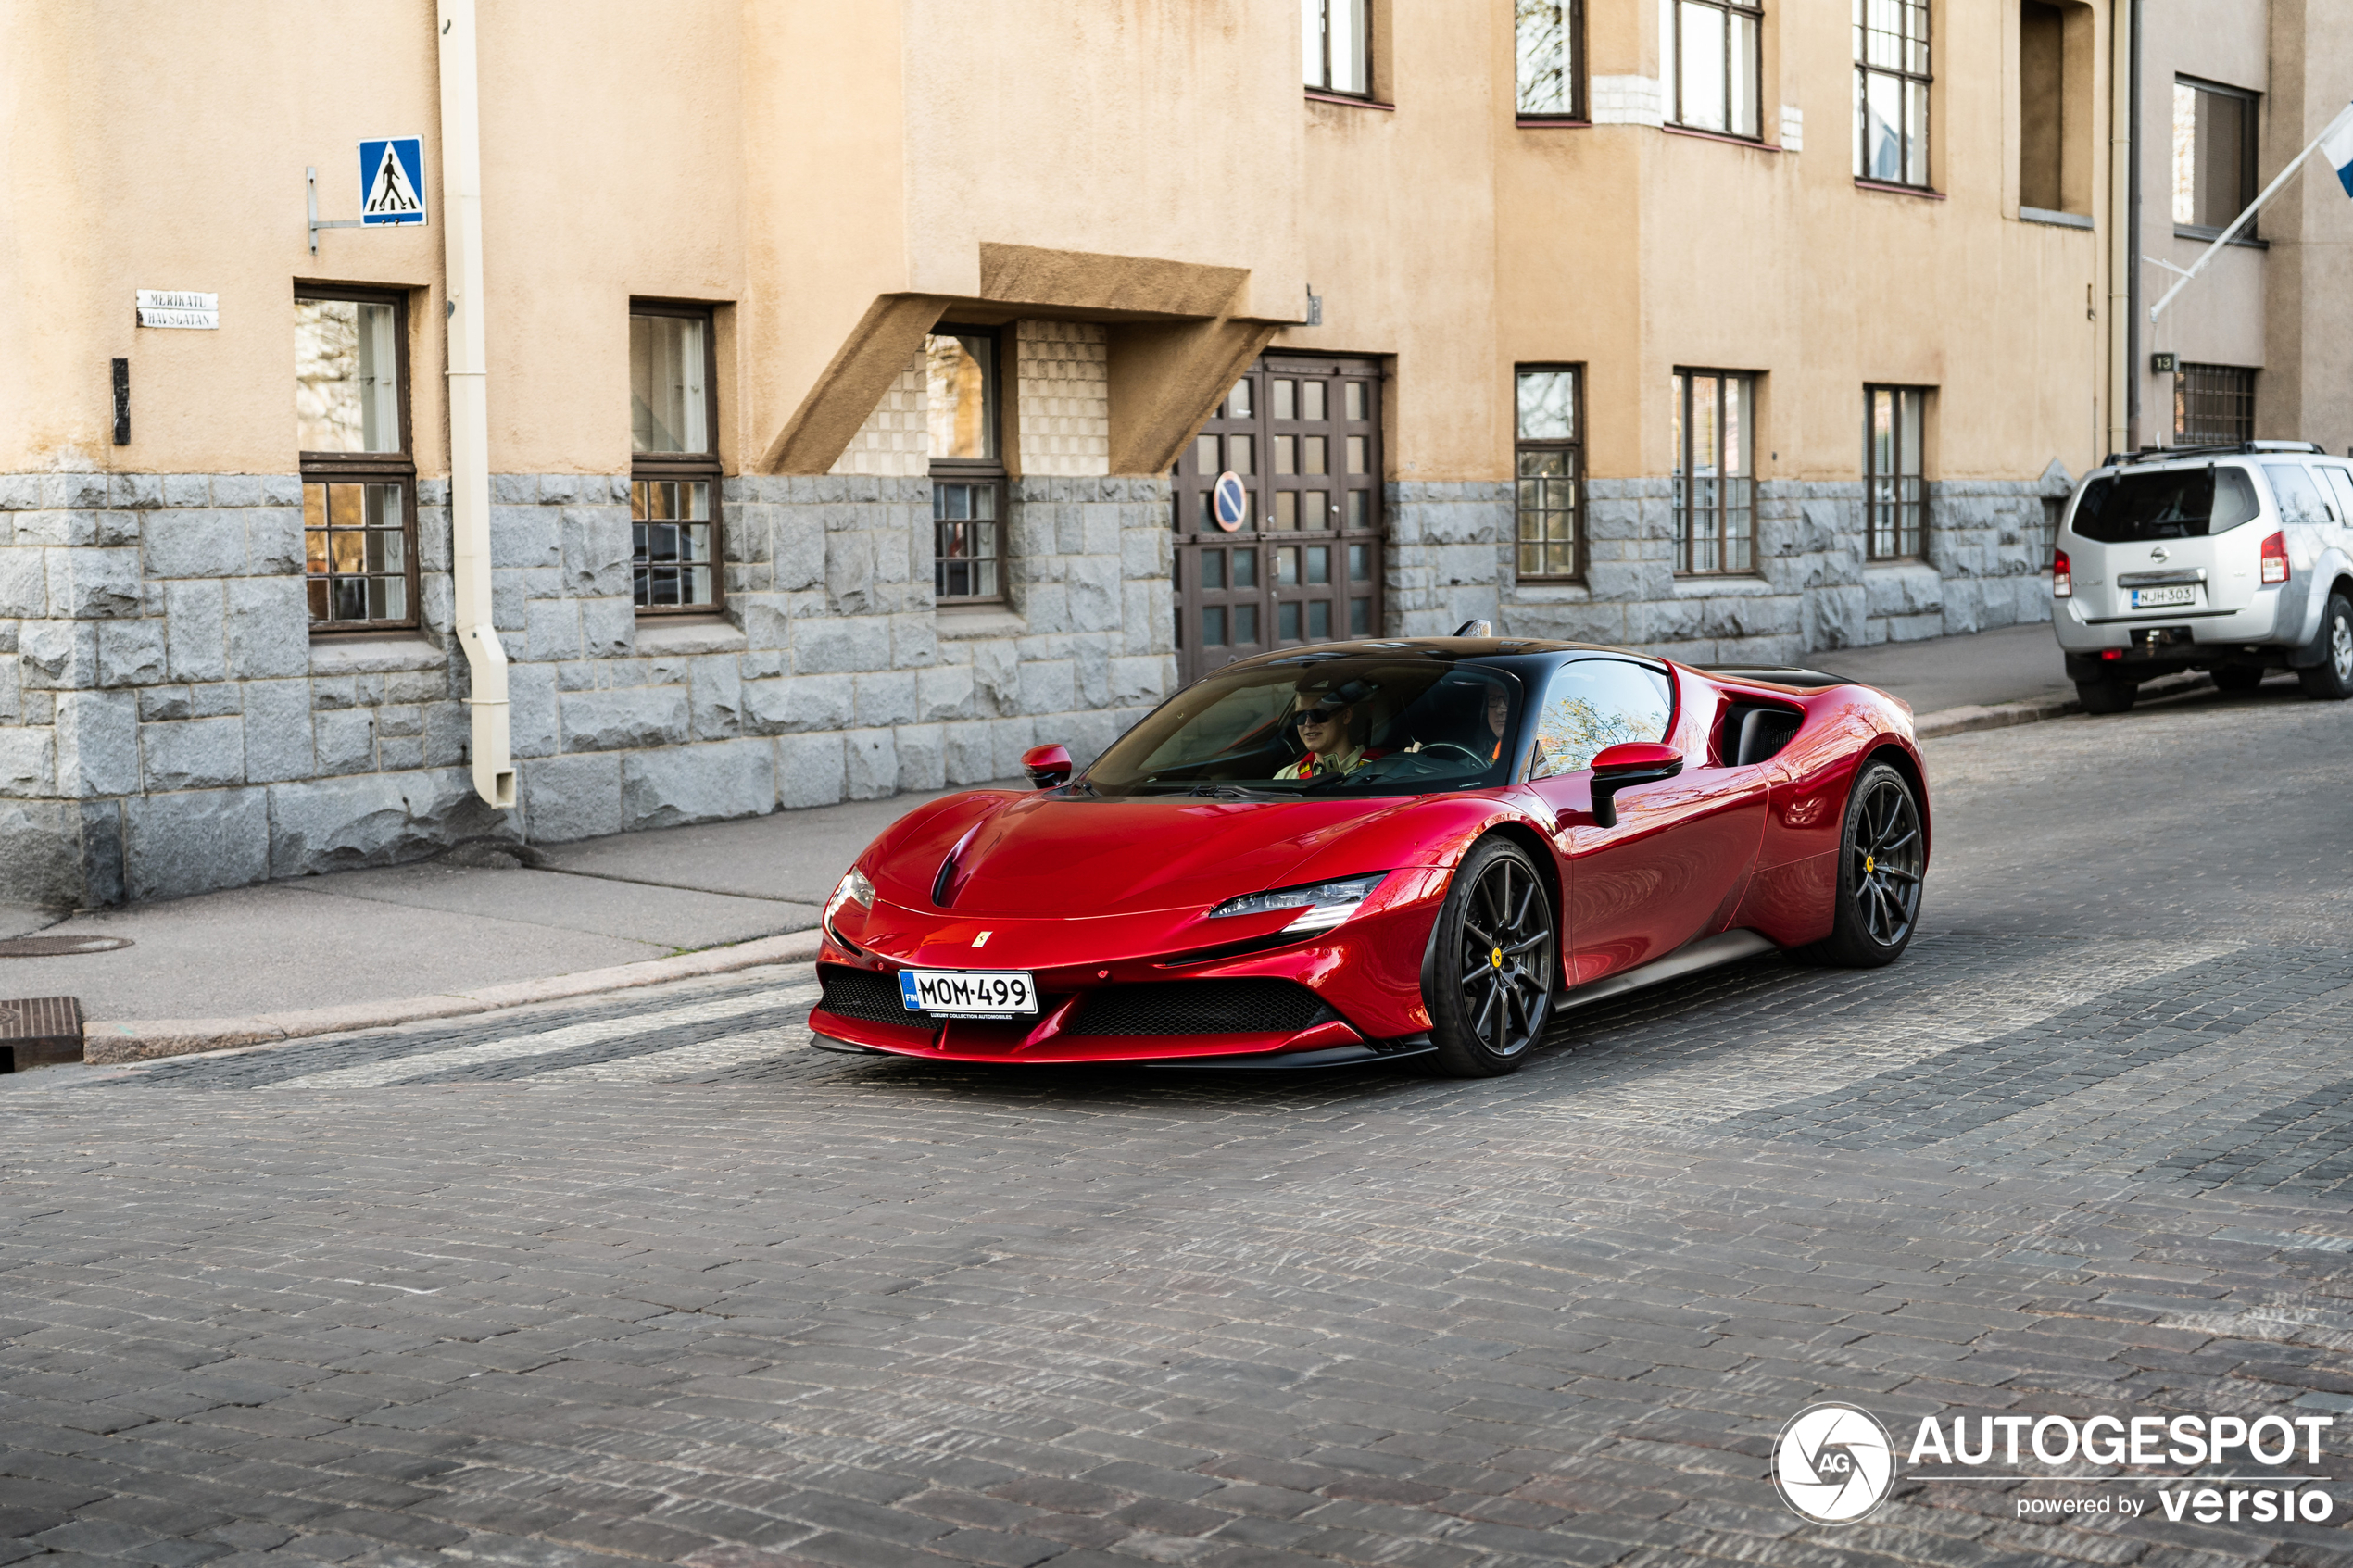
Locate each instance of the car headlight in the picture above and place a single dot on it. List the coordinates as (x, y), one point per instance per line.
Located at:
(853, 888)
(1321, 905)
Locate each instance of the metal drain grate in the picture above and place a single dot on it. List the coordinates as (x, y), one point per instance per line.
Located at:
(38, 1030)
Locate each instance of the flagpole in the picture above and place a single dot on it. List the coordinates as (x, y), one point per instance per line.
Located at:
(2245, 217)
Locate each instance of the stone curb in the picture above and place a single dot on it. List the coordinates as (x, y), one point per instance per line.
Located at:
(146, 1039)
(2001, 715)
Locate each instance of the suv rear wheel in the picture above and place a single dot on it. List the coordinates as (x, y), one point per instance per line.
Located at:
(2107, 697)
(2237, 677)
(2332, 679)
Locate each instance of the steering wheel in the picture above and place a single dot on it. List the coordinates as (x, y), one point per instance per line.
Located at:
(1465, 752)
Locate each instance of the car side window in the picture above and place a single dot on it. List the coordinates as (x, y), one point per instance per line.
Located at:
(2341, 486)
(2299, 502)
(1591, 704)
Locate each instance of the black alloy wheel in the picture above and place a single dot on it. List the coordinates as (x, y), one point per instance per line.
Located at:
(2332, 679)
(1492, 966)
(1882, 858)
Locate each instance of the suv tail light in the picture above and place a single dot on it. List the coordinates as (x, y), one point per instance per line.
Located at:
(2275, 558)
(2062, 580)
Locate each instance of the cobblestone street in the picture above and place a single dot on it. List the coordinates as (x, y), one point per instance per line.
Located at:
(650, 1280)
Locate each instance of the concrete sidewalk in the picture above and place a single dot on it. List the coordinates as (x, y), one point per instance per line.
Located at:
(462, 934)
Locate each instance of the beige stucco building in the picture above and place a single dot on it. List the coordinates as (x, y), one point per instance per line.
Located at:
(2230, 92)
(859, 379)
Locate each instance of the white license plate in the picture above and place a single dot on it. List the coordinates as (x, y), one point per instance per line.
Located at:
(2156, 598)
(968, 993)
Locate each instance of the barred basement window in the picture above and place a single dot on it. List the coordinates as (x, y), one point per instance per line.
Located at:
(1894, 493)
(674, 467)
(967, 464)
(358, 474)
(2213, 404)
(1714, 478)
(1549, 458)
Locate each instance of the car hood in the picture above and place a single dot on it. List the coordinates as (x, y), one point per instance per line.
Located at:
(1055, 854)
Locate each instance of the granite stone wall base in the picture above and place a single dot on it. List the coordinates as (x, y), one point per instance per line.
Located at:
(170, 724)
(1812, 586)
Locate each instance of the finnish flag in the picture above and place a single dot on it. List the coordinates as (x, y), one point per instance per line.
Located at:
(2336, 146)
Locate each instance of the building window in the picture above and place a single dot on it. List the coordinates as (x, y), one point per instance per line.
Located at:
(1337, 45)
(2213, 404)
(1715, 479)
(1550, 465)
(1716, 64)
(1891, 91)
(967, 464)
(2055, 97)
(359, 477)
(1549, 39)
(2213, 156)
(1894, 493)
(673, 472)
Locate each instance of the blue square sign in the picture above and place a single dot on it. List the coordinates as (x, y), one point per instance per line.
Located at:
(392, 181)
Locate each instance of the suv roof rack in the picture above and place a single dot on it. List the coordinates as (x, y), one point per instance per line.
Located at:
(2230, 449)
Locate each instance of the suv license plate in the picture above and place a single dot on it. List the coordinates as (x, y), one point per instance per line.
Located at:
(968, 993)
(2156, 598)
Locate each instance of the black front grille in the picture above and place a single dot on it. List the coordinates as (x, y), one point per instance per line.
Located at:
(864, 995)
(1202, 1007)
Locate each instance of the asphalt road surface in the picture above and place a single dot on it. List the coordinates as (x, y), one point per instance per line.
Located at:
(651, 1281)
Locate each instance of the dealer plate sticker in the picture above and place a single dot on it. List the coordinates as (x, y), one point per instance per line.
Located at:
(2155, 598)
(987, 992)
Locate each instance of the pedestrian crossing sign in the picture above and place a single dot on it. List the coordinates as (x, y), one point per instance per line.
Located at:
(392, 181)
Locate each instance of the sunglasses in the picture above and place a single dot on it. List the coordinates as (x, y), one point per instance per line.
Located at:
(1313, 717)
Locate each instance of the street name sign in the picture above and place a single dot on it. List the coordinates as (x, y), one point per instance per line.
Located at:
(179, 308)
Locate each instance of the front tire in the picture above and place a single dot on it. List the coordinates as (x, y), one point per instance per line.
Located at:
(2107, 697)
(1882, 859)
(1492, 964)
(2332, 679)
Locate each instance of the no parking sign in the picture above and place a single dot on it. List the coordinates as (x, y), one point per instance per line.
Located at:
(1229, 502)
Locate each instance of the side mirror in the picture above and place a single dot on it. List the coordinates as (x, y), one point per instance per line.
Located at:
(1626, 765)
(1047, 765)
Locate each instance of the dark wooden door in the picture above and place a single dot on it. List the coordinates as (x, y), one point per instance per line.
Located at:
(1302, 432)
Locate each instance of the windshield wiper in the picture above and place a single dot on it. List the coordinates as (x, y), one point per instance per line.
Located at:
(1227, 792)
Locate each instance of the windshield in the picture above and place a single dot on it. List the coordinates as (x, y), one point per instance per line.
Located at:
(2167, 504)
(1364, 724)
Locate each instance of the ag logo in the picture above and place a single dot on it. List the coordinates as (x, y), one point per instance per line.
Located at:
(1832, 1463)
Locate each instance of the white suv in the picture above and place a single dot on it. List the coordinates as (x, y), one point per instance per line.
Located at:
(2232, 559)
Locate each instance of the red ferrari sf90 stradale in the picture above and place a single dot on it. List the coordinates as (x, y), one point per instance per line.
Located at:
(1377, 851)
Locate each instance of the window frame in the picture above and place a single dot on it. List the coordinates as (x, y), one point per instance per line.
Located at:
(700, 467)
(1906, 78)
(988, 472)
(1872, 504)
(1755, 13)
(1575, 446)
(2184, 392)
(1324, 32)
(2250, 180)
(1573, 43)
(360, 467)
(1679, 506)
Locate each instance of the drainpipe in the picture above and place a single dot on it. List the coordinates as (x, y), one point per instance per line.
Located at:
(2121, 30)
(2133, 376)
(493, 768)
